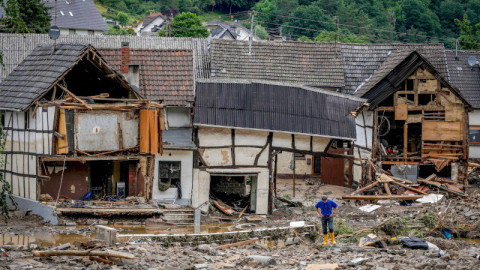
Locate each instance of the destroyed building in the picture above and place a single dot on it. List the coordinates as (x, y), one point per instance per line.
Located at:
(242, 126)
(166, 76)
(416, 122)
(75, 128)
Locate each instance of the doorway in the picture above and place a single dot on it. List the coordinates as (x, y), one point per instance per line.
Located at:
(236, 191)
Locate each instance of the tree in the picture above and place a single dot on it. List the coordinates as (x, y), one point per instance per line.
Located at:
(35, 16)
(122, 18)
(468, 39)
(416, 14)
(186, 24)
(308, 21)
(273, 13)
(343, 37)
(260, 31)
(117, 31)
(449, 11)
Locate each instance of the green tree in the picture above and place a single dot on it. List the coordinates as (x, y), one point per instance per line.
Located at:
(26, 16)
(343, 37)
(122, 18)
(260, 32)
(304, 39)
(186, 24)
(416, 14)
(468, 39)
(273, 13)
(117, 31)
(448, 12)
(308, 21)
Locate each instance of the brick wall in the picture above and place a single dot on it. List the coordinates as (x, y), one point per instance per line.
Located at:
(229, 185)
(132, 190)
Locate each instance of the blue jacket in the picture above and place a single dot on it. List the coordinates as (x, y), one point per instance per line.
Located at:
(326, 208)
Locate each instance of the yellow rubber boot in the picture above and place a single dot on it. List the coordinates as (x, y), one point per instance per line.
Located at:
(333, 238)
(325, 237)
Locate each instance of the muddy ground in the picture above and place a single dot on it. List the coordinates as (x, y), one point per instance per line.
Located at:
(26, 234)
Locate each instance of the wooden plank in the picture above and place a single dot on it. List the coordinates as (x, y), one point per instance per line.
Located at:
(144, 138)
(382, 197)
(387, 188)
(405, 140)
(62, 143)
(442, 131)
(365, 188)
(401, 112)
(74, 96)
(409, 188)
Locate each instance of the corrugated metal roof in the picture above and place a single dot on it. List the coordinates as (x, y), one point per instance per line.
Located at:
(275, 107)
(314, 64)
(463, 76)
(77, 14)
(164, 74)
(38, 71)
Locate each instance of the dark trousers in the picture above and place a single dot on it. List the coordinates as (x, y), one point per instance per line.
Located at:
(328, 220)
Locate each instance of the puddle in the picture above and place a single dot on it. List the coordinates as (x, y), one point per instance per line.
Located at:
(469, 240)
(46, 239)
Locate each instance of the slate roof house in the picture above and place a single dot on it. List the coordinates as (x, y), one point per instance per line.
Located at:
(150, 24)
(232, 30)
(77, 17)
(75, 126)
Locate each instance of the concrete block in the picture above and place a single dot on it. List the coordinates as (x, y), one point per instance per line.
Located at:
(47, 212)
(106, 234)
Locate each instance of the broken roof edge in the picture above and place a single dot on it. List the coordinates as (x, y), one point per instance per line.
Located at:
(277, 83)
(278, 131)
(429, 66)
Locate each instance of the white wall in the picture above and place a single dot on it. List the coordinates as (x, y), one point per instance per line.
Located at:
(364, 128)
(474, 120)
(24, 166)
(66, 31)
(186, 159)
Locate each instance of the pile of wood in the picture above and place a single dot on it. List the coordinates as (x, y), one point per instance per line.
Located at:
(387, 187)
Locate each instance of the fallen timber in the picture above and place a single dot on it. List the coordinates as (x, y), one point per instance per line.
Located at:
(231, 237)
(382, 197)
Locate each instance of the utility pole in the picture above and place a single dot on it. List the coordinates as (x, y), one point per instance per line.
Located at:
(336, 33)
(251, 34)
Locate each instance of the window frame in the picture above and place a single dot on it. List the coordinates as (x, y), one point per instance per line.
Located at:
(473, 128)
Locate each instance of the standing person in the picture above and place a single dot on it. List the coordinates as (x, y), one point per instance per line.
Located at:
(324, 210)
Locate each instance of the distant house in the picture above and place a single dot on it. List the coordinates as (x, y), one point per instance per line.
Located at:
(151, 24)
(229, 30)
(466, 77)
(77, 17)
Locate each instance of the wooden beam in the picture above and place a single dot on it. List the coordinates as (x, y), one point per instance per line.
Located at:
(387, 188)
(74, 96)
(382, 197)
(409, 188)
(365, 188)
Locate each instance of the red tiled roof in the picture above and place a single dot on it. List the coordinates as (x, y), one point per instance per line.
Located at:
(164, 74)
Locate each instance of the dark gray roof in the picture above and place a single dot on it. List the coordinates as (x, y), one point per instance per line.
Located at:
(394, 71)
(361, 60)
(180, 138)
(275, 107)
(77, 14)
(38, 71)
(150, 18)
(313, 64)
(463, 76)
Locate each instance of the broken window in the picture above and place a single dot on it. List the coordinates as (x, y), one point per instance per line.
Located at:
(236, 191)
(169, 175)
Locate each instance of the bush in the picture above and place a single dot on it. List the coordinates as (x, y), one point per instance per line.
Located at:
(430, 219)
(396, 226)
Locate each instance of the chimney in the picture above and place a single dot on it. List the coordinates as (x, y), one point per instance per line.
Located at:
(131, 72)
(125, 57)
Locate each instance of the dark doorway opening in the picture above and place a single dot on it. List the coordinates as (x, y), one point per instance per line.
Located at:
(237, 191)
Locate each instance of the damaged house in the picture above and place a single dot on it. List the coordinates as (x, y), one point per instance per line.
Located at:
(75, 128)
(165, 76)
(416, 122)
(243, 126)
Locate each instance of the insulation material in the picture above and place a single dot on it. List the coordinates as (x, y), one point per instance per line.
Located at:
(401, 112)
(97, 132)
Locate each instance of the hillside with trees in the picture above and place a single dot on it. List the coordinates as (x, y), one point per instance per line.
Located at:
(365, 21)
